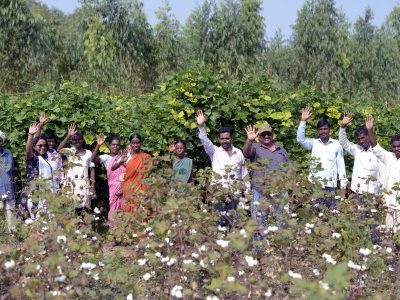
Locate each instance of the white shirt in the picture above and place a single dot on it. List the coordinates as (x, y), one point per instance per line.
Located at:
(222, 162)
(105, 159)
(366, 169)
(391, 176)
(330, 155)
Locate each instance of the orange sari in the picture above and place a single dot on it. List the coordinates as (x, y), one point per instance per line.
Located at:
(134, 189)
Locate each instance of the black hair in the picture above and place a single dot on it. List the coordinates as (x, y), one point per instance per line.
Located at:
(395, 138)
(323, 122)
(78, 133)
(36, 139)
(225, 129)
(113, 138)
(135, 136)
(50, 135)
(180, 141)
(361, 130)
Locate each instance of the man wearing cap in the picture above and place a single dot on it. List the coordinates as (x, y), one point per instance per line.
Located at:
(7, 197)
(328, 153)
(271, 156)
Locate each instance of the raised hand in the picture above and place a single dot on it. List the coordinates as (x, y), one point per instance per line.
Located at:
(200, 118)
(71, 129)
(171, 147)
(251, 132)
(124, 156)
(42, 118)
(369, 122)
(101, 139)
(306, 113)
(33, 128)
(348, 117)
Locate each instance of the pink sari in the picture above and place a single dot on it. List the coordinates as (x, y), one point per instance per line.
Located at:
(115, 187)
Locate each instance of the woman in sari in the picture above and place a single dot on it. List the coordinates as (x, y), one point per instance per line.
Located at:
(181, 164)
(114, 177)
(137, 167)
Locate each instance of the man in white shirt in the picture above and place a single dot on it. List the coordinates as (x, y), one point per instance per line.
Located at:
(328, 153)
(227, 162)
(366, 169)
(391, 177)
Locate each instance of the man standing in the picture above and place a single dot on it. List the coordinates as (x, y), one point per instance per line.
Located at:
(391, 177)
(227, 162)
(273, 155)
(366, 169)
(327, 152)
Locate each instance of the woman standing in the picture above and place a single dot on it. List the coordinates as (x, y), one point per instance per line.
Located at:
(115, 182)
(181, 164)
(37, 167)
(137, 168)
(7, 196)
(80, 173)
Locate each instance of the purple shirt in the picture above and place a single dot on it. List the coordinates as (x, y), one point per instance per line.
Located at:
(273, 161)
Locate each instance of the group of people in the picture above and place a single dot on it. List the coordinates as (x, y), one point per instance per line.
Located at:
(375, 170)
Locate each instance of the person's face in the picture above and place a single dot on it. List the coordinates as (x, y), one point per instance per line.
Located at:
(265, 137)
(363, 140)
(41, 147)
(77, 141)
(180, 150)
(135, 145)
(324, 131)
(396, 148)
(115, 146)
(51, 143)
(225, 140)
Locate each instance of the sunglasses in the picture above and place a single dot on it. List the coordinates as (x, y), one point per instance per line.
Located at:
(266, 133)
(41, 145)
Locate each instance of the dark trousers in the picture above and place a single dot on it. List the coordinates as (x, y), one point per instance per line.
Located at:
(224, 207)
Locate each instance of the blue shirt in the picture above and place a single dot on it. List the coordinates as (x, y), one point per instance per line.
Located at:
(6, 175)
(329, 155)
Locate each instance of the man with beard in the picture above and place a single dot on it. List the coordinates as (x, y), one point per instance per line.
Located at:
(228, 164)
(274, 156)
(391, 177)
(328, 153)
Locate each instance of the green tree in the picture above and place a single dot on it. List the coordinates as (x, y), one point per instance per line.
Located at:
(168, 40)
(320, 40)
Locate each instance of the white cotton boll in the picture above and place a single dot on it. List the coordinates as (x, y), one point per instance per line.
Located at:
(390, 269)
(148, 229)
(177, 291)
(308, 231)
(335, 211)
(77, 231)
(354, 266)
(167, 240)
(223, 243)
(171, 261)
(87, 266)
(129, 297)
(324, 285)
(241, 272)
(294, 215)
(195, 255)
(243, 232)
(94, 238)
(308, 225)
(329, 258)
(222, 228)
(268, 293)
(294, 275)
(320, 214)
(272, 228)
(192, 231)
(84, 236)
(60, 278)
(4, 196)
(96, 218)
(251, 261)
(164, 259)
(29, 221)
(203, 265)
(212, 298)
(101, 264)
(55, 293)
(389, 250)
(231, 279)
(142, 262)
(316, 272)
(187, 261)
(203, 248)
(377, 247)
(96, 210)
(146, 276)
(61, 238)
(365, 251)
(9, 264)
(336, 235)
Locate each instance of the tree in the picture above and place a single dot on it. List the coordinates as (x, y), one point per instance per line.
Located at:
(320, 40)
(168, 40)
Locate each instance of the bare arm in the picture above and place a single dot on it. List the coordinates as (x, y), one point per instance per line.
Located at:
(42, 121)
(95, 155)
(301, 131)
(71, 131)
(29, 143)
(121, 161)
(369, 123)
(207, 144)
(251, 136)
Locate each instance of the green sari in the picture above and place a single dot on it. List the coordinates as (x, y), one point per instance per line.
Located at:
(182, 169)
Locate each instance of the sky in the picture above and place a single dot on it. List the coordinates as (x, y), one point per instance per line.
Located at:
(277, 13)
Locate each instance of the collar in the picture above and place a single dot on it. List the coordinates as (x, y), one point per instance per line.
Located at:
(234, 149)
(277, 146)
(329, 141)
